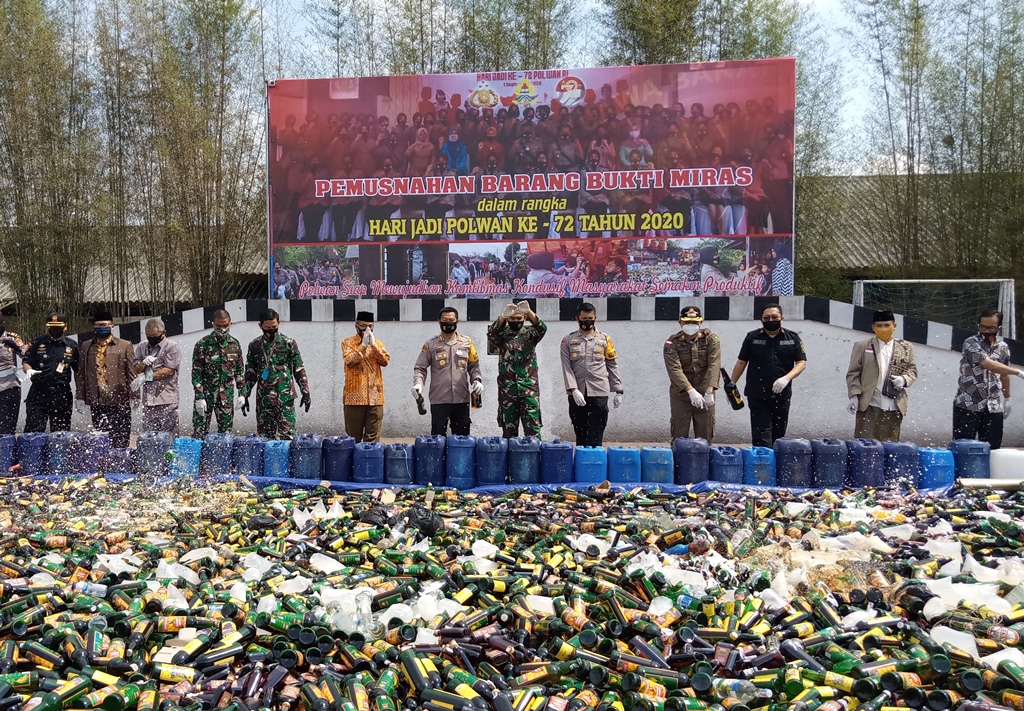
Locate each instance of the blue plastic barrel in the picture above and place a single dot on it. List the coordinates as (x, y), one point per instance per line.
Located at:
(759, 466)
(726, 465)
(338, 453)
(218, 453)
(399, 464)
(556, 462)
(624, 465)
(60, 453)
(867, 462)
(692, 458)
(32, 453)
(491, 461)
(971, 457)
(524, 460)
(8, 453)
(307, 461)
(829, 464)
(247, 455)
(276, 459)
(591, 465)
(938, 468)
(656, 465)
(794, 462)
(368, 463)
(902, 464)
(187, 455)
(91, 449)
(460, 461)
(151, 453)
(119, 460)
(430, 459)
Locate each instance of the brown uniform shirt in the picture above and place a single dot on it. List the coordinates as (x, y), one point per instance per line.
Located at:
(693, 363)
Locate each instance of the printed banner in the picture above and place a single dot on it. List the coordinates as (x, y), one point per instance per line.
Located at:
(613, 181)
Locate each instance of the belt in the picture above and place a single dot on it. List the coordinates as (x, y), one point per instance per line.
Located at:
(7, 371)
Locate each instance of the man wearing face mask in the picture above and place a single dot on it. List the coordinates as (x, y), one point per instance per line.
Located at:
(881, 369)
(776, 356)
(454, 366)
(518, 386)
(591, 373)
(978, 410)
(218, 378)
(272, 363)
(693, 358)
(364, 356)
(49, 362)
(157, 362)
(12, 347)
(104, 385)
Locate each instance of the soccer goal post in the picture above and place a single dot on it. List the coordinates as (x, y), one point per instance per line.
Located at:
(956, 302)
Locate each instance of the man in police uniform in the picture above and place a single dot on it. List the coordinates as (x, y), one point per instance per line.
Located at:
(49, 362)
(591, 373)
(775, 356)
(454, 367)
(693, 357)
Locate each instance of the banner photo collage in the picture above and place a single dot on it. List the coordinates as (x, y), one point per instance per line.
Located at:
(668, 180)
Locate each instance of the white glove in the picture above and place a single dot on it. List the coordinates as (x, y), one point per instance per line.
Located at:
(617, 400)
(508, 312)
(1006, 409)
(136, 402)
(523, 307)
(28, 374)
(577, 397)
(137, 383)
(477, 387)
(779, 385)
(1019, 373)
(854, 405)
(709, 399)
(80, 407)
(900, 382)
(239, 401)
(201, 407)
(149, 360)
(696, 399)
(367, 337)
(417, 391)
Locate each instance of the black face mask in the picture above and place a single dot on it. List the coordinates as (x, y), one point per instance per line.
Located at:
(153, 340)
(586, 324)
(270, 333)
(771, 326)
(515, 325)
(56, 333)
(449, 327)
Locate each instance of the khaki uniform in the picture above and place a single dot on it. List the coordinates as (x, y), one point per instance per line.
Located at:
(589, 364)
(449, 362)
(692, 364)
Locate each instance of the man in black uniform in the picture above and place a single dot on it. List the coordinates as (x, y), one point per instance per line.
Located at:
(775, 356)
(50, 360)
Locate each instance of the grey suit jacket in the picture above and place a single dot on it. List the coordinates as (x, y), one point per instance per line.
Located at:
(863, 372)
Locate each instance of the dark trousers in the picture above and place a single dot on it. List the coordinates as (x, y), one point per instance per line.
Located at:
(116, 420)
(769, 418)
(441, 415)
(48, 404)
(589, 421)
(10, 408)
(986, 426)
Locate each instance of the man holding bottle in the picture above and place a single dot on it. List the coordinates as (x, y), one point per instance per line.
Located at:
(693, 357)
(454, 366)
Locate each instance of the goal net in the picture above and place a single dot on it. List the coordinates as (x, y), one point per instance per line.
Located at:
(955, 302)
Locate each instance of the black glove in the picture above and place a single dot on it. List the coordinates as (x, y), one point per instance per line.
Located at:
(9, 343)
(305, 402)
(245, 405)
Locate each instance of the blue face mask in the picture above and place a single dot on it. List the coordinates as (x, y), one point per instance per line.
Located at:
(102, 331)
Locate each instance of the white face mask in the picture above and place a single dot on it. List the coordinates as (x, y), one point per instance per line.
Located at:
(634, 134)
(691, 328)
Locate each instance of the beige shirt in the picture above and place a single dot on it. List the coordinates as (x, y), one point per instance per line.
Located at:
(883, 354)
(453, 364)
(589, 364)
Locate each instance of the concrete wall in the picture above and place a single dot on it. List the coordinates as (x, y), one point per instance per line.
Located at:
(819, 399)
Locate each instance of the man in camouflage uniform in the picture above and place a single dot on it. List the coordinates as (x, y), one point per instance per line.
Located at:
(518, 388)
(273, 360)
(693, 359)
(216, 373)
